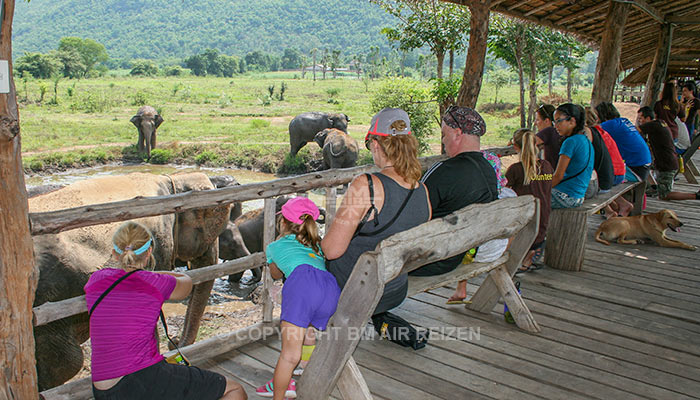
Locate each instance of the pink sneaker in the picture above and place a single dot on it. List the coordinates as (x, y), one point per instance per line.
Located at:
(267, 390)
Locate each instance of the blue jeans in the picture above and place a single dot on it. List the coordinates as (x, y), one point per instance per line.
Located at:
(563, 200)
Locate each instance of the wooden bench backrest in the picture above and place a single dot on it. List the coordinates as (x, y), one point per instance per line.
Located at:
(692, 149)
(401, 253)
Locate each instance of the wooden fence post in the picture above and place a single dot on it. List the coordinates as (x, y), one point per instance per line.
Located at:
(268, 237)
(18, 277)
(331, 201)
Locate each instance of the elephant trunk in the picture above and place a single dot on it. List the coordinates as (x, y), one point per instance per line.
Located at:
(195, 310)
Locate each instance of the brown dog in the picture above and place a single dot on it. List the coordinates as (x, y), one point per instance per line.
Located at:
(631, 230)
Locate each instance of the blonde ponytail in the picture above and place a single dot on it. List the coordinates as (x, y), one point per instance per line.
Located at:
(129, 238)
(525, 139)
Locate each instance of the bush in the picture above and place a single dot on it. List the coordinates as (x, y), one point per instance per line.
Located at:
(205, 156)
(293, 165)
(161, 156)
(91, 103)
(139, 98)
(494, 107)
(173, 70)
(144, 68)
(407, 95)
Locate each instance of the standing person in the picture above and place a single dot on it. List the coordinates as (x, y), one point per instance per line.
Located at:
(547, 137)
(573, 172)
(532, 175)
(309, 295)
(465, 178)
(668, 108)
(633, 148)
(665, 159)
(379, 205)
(124, 305)
(691, 105)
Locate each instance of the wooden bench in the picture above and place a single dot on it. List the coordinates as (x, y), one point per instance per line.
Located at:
(566, 232)
(691, 171)
(332, 363)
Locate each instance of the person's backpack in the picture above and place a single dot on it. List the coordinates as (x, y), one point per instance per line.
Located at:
(399, 331)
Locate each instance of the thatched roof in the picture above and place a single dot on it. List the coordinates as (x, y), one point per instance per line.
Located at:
(586, 20)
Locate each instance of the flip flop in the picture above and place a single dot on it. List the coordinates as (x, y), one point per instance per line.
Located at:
(524, 269)
(459, 301)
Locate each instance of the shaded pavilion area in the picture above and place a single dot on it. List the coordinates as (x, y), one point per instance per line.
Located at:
(656, 39)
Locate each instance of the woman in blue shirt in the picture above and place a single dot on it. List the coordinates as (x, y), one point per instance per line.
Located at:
(575, 165)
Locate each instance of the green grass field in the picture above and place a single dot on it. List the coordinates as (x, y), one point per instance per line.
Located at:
(227, 119)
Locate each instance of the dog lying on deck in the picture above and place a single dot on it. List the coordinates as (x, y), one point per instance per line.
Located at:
(633, 230)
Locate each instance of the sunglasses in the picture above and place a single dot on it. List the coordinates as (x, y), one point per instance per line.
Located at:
(556, 121)
(367, 141)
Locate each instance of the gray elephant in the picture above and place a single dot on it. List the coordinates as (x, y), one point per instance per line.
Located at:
(65, 260)
(305, 126)
(147, 120)
(339, 149)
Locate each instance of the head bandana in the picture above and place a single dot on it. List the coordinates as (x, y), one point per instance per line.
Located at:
(138, 251)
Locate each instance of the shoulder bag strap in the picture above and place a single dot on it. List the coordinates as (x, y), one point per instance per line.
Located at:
(109, 289)
(372, 208)
(385, 227)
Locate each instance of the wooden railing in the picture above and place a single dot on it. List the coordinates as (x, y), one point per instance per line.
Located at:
(634, 94)
(63, 220)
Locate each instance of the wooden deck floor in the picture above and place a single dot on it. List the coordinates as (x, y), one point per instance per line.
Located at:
(626, 327)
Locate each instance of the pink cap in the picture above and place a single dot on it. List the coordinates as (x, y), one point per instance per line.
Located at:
(297, 207)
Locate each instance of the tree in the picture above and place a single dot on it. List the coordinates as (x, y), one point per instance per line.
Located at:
(144, 68)
(18, 275)
(441, 26)
(334, 61)
(313, 56)
(291, 59)
(197, 64)
(499, 77)
(71, 62)
(91, 52)
(515, 42)
(573, 59)
(38, 65)
(325, 58)
(229, 65)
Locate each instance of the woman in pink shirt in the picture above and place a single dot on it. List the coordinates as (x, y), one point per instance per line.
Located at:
(126, 363)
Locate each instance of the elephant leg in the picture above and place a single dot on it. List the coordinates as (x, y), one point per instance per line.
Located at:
(296, 146)
(199, 298)
(153, 140)
(59, 356)
(140, 143)
(235, 278)
(257, 275)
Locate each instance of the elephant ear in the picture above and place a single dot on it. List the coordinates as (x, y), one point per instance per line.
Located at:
(346, 117)
(320, 137)
(158, 120)
(136, 120)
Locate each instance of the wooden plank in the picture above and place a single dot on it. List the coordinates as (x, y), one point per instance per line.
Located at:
(269, 233)
(379, 384)
(417, 284)
(351, 384)
(584, 371)
(534, 356)
(488, 294)
(522, 316)
(565, 329)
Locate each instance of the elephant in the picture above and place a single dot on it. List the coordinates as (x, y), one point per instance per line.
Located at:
(304, 127)
(66, 260)
(147, 120)
(339, 149)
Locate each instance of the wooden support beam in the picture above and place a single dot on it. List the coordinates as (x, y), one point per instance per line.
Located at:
(574, 16)
(657, 73)
(269, 234)
(18, 276)
(609, 54)
(476, 55)
(546, 5)
(687, 34)
(683, 19)
(646, 7)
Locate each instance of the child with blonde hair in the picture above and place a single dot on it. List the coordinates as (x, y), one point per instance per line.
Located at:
(310, 293)
(124, 304)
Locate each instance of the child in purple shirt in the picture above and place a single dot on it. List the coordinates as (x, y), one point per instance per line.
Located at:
(126, 363)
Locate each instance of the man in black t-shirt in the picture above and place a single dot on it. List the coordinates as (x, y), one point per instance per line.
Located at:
(664, 152)
(466, 178)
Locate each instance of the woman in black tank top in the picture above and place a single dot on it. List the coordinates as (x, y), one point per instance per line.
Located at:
(377, 206)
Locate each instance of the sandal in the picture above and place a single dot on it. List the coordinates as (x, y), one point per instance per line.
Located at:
(524, 268)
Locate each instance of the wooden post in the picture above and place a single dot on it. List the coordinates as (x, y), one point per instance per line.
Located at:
(609, 56)
(18, 277)
(331, 201)
(268, 237)
(657, 73)
(476, 55)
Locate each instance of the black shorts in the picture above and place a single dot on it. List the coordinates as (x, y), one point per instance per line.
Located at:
(166, 381)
